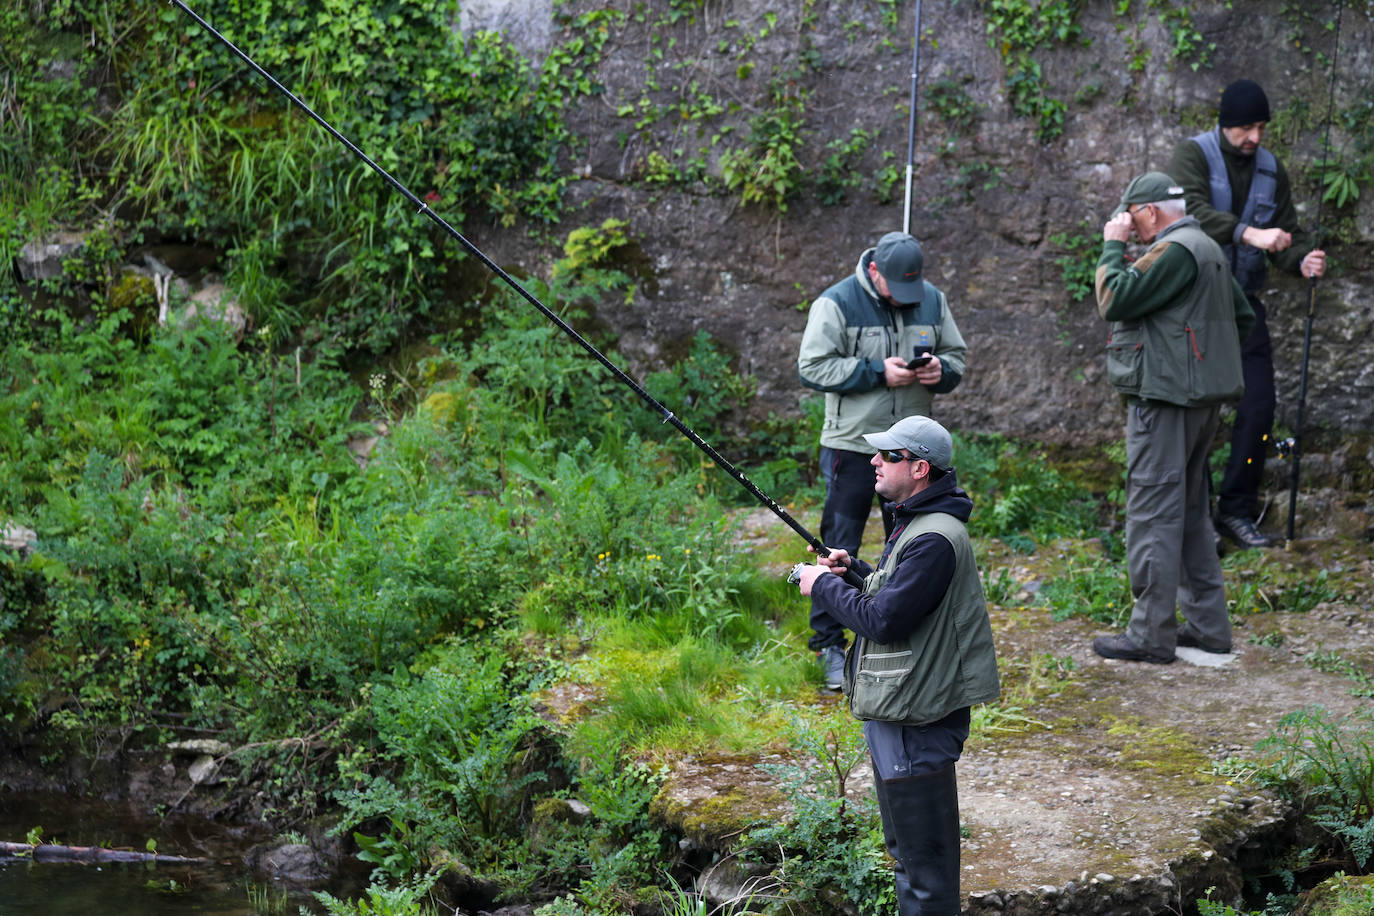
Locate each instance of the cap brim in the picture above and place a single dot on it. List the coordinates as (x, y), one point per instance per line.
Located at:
(883, 441)
(907, 293)
(1120, 209)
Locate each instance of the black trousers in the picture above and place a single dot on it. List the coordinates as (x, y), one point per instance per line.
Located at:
(1240, 482)
(848, 500)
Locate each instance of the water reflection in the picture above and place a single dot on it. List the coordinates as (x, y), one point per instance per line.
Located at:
(220, 886)
(31, 888)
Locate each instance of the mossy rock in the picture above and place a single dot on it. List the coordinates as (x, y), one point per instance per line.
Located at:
(135, 293)
(1339, 895)
(713, 821)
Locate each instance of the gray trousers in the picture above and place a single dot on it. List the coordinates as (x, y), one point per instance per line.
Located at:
(1171, 553)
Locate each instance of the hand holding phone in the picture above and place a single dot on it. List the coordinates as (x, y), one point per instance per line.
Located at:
(922, 357)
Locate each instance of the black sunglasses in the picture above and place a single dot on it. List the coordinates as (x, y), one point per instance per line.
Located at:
(895, 457)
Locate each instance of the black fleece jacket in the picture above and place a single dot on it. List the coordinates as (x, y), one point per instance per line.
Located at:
(917, 584)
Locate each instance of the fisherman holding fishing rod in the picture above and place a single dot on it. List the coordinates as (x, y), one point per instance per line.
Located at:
(923, 655)
(1242, 198)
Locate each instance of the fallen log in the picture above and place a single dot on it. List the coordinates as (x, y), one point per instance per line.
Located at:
(51, 853)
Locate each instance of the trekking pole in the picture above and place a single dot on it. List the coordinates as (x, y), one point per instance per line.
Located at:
(911, 124)
(421, 207)
(1293, 445)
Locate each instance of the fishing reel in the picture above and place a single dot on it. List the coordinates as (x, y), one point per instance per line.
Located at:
(794, 576)
(1287, 448)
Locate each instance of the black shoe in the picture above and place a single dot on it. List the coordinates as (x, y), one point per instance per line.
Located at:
(1121, 647)
(832, 666)
(1187, 640)
(1243, 531)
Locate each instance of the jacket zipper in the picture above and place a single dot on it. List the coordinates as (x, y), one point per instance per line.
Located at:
(1197, 355)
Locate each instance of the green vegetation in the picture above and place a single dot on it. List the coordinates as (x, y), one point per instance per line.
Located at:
(1188, 44)
(1325, 763)
(426, 567)
(839, 172)
(1017, 29)
(1350, 167)
(195, 146)
(376, 640)
(951, 101)
(766, 170)
(1078, 265)
(824, 819)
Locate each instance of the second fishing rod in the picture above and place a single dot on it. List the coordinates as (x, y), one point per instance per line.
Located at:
(423, 208)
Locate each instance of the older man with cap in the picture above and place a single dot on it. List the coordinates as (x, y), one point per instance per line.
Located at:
(1240, 194)
(923, 655)
(880, 344)
(1178, 318)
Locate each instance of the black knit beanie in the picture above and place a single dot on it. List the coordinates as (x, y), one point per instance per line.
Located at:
(1243, 102)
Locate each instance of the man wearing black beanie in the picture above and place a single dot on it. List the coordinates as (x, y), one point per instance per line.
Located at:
(1241, 195)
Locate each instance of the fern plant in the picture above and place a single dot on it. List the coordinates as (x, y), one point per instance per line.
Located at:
(1326, 764)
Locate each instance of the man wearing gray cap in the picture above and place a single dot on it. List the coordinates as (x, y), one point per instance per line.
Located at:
(881, 344)
(923, 655)
(1178, 318)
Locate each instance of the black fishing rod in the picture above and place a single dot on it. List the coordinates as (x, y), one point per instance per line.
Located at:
(911, 123)
(668, 416)
(1293, 445)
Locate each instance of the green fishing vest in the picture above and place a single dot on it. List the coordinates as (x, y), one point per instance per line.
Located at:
(1187, 353)
(947, 663)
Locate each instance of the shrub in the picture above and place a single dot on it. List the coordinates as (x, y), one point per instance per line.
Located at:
(829, 842)
(1326, 765)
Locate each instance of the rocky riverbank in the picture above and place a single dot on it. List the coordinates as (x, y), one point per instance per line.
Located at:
(1123, 792)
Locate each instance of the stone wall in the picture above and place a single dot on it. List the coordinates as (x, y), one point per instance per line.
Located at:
(987, 200)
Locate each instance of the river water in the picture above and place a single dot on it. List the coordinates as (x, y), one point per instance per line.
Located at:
(220, 886)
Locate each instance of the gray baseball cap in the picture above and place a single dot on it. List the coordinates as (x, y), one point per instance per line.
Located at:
(899, 259)
(921, 436)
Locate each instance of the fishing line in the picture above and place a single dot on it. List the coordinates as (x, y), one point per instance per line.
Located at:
(421, 207)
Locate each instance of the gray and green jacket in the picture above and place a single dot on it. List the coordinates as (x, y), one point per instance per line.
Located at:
(849, 332)
(924, 642)
(1178, 319)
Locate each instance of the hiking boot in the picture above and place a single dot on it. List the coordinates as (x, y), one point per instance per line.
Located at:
(832, 666)
(1187, 640)
(1121, 647)
(1243, 531)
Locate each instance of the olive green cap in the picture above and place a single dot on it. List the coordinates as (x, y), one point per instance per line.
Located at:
(1148, 189)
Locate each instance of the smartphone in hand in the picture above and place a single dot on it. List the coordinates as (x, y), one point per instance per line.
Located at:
(923, 357)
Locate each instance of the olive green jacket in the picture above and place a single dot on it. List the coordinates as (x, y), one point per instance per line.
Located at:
(1178, 319)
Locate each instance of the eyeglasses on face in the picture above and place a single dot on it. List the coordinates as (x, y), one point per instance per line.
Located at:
(894, 457)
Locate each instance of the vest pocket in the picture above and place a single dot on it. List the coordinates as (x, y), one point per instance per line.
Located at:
(1125, 359)
(882, 684)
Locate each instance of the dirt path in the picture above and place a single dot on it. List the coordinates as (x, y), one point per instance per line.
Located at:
(1117, 799)
(1112, 802)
